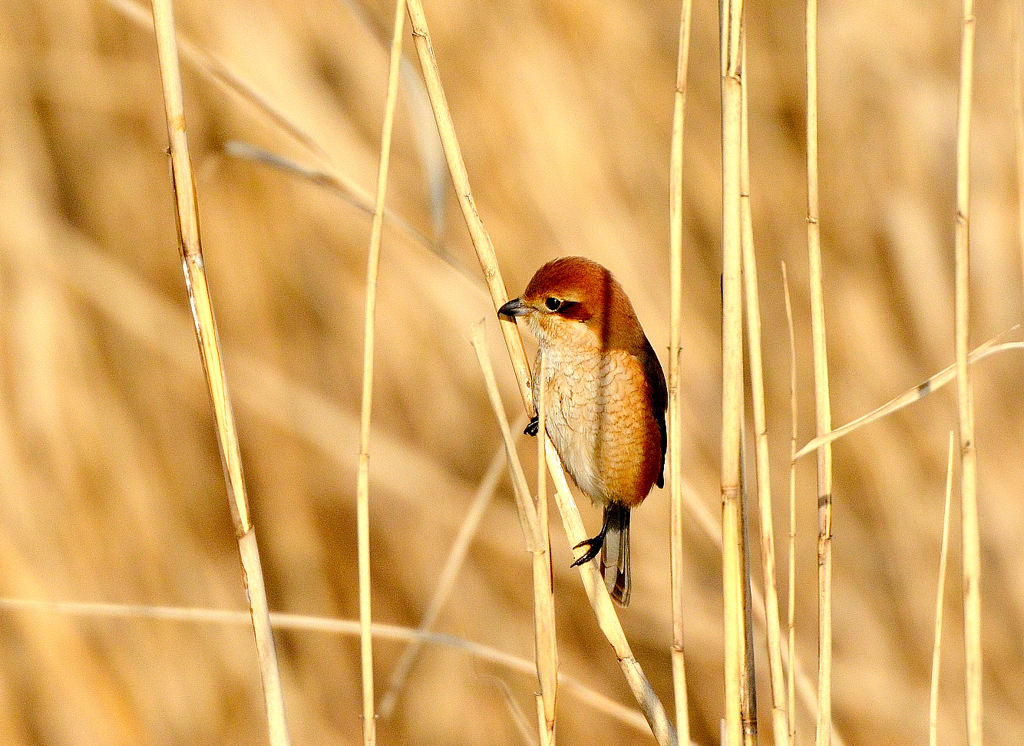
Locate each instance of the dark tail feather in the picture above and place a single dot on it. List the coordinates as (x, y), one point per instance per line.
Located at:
(615, 553)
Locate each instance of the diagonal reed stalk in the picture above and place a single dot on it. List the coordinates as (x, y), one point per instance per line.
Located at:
(446, 579)
(822, 407)
(933, 699)
(912, 395)
(222, 75)
(653, 710)
(964, 391)
(780, 725)
(733, 583)
(675, 446)
(187, 216)
(535, 532)
(363, 474)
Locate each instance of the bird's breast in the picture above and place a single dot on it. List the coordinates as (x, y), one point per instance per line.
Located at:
(601, 420)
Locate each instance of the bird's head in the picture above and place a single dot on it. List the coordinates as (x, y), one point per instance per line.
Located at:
(575, 301)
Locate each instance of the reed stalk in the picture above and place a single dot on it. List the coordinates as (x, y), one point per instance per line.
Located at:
(675, 445)
(187, 217)
(964, 389)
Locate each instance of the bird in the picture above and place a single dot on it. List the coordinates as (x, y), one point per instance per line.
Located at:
(605, 397)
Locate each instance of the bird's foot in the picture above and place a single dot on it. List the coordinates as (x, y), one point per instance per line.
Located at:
(593, 549)
(534, 427)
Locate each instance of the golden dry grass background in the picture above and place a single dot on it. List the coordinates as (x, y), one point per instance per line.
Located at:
(110, 481)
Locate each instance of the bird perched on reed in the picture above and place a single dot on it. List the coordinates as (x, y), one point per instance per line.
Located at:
(606, 398)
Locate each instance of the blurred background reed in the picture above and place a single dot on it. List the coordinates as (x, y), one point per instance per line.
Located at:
(110, 480)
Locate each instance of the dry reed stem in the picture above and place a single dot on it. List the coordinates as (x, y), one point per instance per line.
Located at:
(299, 622)
(348, 190)
(460, 178)
(527, 509)
(933, 699)
(604, 610)
(733, 582)
(363, 474)
(780, 726)
(675, 445)
(712, 528)
(544, 600)
(523, 726)
(912, 395)
(537, 542)
(791, 601)
(964, 391)
(822, 408)
(663, 731)
(546, 736)
(1016, 40)
(187, 218)
(446, 580)
(748, 691)
(222, 75)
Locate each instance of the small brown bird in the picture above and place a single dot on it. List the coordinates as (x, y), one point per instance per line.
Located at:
(605, 394)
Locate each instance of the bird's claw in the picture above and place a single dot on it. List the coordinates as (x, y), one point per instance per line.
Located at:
(593, 549)
(534, 427)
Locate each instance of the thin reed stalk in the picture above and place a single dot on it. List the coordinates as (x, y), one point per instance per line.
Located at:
(299, 622)
(964, 391)
(534, 516)
(1016, 42)
(912, 395)
(446, 579)
(190, 245)
(791, 601)
(780, 725)
(822, 407)
(733, 582)
(933, 699)
(544, 599)
(460, 178)
(675, 444)
(604, 609)
(221, 75)
(527, 509)
(363, 474)
(653, 710)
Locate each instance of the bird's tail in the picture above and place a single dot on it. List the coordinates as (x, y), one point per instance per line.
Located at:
(615, 553)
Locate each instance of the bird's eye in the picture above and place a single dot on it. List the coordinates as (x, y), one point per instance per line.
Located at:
(552, 304)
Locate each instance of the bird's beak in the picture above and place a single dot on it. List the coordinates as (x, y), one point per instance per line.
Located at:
(513, 308)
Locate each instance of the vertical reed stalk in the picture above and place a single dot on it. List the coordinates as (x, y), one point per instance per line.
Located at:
(544, 600)
(732, 369)
(780, 726)
(822, 408)
(187, 217)
(363, 475)
(933, 699)
(791, 601)
(965, 395)
(675, 446)
(1016, 41)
